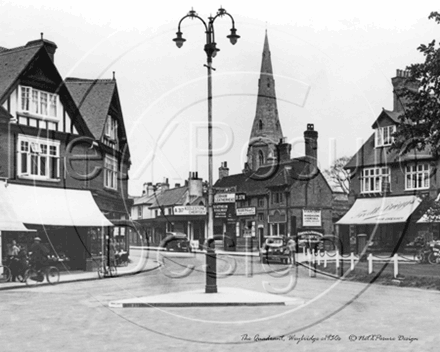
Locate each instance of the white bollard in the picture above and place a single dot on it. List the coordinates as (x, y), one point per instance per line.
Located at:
(325, 260)
(319, 257)
(309, 259)
(304, 251)
(396, 266)
(351, 261)
(370, 263)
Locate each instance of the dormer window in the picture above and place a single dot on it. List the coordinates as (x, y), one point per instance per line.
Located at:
(384, 136)
(111, 128)
(38, 102)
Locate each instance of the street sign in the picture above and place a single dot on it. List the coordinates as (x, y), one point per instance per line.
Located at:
(224, 198)
(190, 210)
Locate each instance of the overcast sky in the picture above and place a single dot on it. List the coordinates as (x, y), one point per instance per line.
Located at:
(333, 63)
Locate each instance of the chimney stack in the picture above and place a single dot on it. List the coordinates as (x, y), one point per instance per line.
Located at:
(50, 47)
(195, 185)
(148, 189)
(165, 185)
(399, 83)
(284, 150)
(311, 142)
(223, 170)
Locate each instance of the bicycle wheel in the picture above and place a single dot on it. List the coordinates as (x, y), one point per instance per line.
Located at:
(419, 256)
(32, 277)
(5, 275)
(433, 258)
(52, 275)
(100, 271)
(113, 271)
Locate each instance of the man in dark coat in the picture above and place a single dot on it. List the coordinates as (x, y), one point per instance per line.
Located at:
(39, 253)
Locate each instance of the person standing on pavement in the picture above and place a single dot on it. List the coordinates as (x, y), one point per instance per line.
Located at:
(14, 261)
(38, 254)
(15, 249)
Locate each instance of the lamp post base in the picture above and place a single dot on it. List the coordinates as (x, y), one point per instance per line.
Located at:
(211, 268)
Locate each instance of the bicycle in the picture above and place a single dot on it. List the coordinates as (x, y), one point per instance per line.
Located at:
(33, 276)
(5, 274)
(107, 270)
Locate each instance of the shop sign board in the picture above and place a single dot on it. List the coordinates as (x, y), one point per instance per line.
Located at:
(245, 211)
(190, 210)
(312, 218)
(240, 197)
(220, 210)
(224, 198)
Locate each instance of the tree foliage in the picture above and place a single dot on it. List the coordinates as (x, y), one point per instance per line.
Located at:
(419, 127)
(338, 175)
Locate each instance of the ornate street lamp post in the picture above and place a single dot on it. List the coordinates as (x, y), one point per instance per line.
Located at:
(211, 51)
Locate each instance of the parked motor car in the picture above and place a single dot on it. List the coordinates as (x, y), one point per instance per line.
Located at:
(309, 240)
(176, 242)
(276, 249)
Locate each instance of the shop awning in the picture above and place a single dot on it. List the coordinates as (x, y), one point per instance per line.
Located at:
(8, 218)
(370, 211)
(55, 206)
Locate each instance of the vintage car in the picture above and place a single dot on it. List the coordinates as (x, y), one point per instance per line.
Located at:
(175, 242)
(277, 249)
(310, 239)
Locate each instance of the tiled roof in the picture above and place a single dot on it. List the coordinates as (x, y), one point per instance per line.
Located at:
(393, 115)
(333, 184)
(170, 197)
(260, 181)
(144, 199)
(12, 64)
(93, 97)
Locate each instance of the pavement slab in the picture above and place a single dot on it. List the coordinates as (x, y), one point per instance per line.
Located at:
(226, 296)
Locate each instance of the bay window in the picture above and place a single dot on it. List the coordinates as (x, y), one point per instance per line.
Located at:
(375, 179)
(417, 176)
(38, 158)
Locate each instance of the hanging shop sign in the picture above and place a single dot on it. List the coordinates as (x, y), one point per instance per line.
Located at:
(245, 211)
(190, 210)
(312, 218)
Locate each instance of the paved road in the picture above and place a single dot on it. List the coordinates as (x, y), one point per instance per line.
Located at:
(75, 316)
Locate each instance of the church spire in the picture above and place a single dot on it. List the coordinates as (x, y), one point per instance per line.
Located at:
(266, 127)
